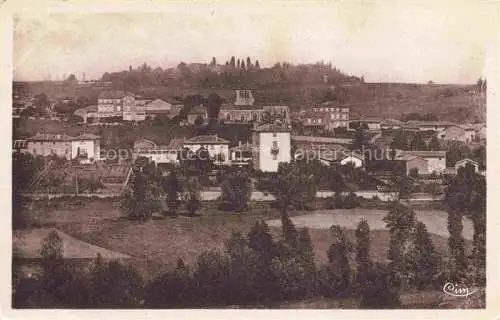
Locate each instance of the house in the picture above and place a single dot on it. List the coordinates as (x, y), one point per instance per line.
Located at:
(355, 159)
(243, 110)
(314, 142)
(157, 153)
(158, 107)
(414, 162)
(85, 147)
(218, 148)
(110, 103)
(437, 126)
(277, 113)
(457, 133)
(133, 109)
(241, 155)
(245, 114)
(390, 124)
(329, 114)
(436, 160)
(372, 123)
(244, 98)
(386, 168)
(272, 146)
(196, 112)
(87, 112)
(462, 163)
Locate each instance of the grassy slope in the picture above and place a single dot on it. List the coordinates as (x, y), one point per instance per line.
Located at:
(156, 245)
(371, 99)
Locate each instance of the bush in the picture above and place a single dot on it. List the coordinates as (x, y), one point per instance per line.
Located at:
(339, 201)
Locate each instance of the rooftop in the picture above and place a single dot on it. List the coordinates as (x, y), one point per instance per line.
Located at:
(112, 94)
(268, 127)
(206, 139)
(61, 137)
(427, 154)
(321, 139)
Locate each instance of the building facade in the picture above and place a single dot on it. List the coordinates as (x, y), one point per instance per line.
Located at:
(217, 148)
(85, 147)
(157, 153)
(272, 146)
(110, 103)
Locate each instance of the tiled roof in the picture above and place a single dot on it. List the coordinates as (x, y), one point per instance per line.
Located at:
(268, 127)
(206, 140)
(176, 143)
(243, 148)
(466, 160)
(200, 109)
(61, 137)
(321, 139)
(112, 94)
(427, 154)
(158, 104)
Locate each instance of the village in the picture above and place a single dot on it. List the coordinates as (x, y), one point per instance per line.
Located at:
(280, 160)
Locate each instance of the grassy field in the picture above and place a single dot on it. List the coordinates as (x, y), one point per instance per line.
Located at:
(155, 246)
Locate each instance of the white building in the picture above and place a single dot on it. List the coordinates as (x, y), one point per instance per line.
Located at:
(462, 163)
(158, 153)
(272, 145)
(85, 147)
(218, 148)
(353, 158)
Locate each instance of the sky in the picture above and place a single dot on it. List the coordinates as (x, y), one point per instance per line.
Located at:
(384, 41)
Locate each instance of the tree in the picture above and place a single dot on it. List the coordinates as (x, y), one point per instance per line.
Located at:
(363, 260)
(192, 196)
(425, 256)
(400, 220)
(172, 289)
(400, 141)
(232, 63)
(114, 285)
(249, 63)
(235, 190)
(291, 185)
(214, 103)
(434, 144)
(359, 138)
(211, 278)
(198, 122)
(403, 187)
(257, 65)
(71, 78)
(378, 291)
(135, 202)
(335, 277)
(418, 143)
(466, 195)
(172, 187)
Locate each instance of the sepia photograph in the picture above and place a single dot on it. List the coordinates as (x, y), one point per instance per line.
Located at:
(329, 155)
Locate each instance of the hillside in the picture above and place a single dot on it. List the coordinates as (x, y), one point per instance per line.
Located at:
(458, 103)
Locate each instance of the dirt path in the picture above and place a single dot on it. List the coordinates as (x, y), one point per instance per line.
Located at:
(435, 221)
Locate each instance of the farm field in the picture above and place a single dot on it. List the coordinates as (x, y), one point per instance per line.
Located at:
(156, 245)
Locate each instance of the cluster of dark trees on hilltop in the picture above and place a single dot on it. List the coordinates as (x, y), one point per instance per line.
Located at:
(235, 72)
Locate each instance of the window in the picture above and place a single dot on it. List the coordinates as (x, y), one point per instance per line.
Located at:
(332, 116)
(274, 150)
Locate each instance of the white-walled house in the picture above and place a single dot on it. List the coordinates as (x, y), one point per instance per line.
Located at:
(85, 147)
(353, 158)
(218, 148)
(158, 153)
(462, 163)
(272, 145)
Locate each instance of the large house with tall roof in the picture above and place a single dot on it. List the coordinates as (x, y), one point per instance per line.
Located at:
(85, 147)
(217, 148)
